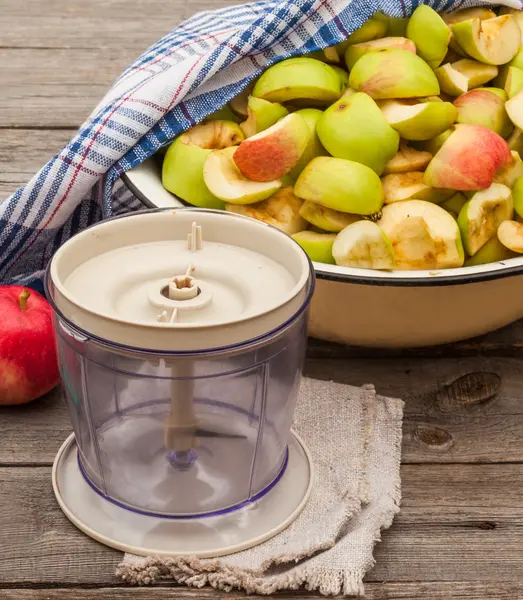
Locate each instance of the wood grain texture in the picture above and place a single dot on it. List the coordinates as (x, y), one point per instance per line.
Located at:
(373, 591)
(458, 523)
(452, 413)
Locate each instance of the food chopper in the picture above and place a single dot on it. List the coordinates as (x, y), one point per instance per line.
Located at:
(181, 337)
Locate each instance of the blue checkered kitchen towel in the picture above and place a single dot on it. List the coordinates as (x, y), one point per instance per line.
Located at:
(176, 83)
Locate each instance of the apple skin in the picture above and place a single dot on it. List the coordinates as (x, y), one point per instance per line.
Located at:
(451, 81)
(514, 81)
(434, 144)
(318, 246)
(371, 30)
(517, 196)
(393, 73)
(356, 51)
(299, 78)
(342, 185)
(272, 153)
(314, 147)
(492, 251)
(514, 108)
(430, 34)
(28, 356)
(469, 159)
(261, 115)
(482, 107)
(354, 128)
(326, 219)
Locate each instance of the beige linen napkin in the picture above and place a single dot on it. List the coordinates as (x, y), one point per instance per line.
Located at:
(354, 437)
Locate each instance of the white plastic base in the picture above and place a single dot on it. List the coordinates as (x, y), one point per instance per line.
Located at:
(202, 537)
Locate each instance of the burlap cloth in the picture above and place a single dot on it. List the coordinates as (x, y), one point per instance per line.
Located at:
(354, 437)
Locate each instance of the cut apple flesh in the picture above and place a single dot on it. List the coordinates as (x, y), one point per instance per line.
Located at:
(418, 121)
(326, 219)
(213, 135)
(481, 216)
(363, 245)
(225, 181)
(477, 73)
(399, 187)
(451, 81)
(407, 159)
(514, 108)
(318, 246)
(423, 235)
(510, 172)
(492, 251)
(356, 51)
(510, 234)
(281, 210)
(239, 103)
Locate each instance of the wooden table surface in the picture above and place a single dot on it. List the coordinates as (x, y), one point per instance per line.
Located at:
(460, 530)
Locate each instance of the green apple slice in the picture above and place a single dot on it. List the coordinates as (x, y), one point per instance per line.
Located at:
(517, 196)
(399, 187)
(423, 235)
(515, 141)
(477, 73)
(344, 76)
(510, 234)
(511, 171)
(225, 181)
(482, 107)
(326, 219)
(393, 73)
(518, 16)
(407, 159)
(354, 128)
(182, 168)
(363, 245)
(430, 34)
(299, 78)
(434, 144)
(492, 251)
(481, 216)
(318, 246)
(451, 81)
(454, 204)
(513, 82)
(281, 210)
(492, 41)
(239, 104)
(356, 51)
(514, 108)
(478, 12)
(370, 30)
(314, 147)
(415, 120)
(342, 185)
(261, 115)
(397, 26)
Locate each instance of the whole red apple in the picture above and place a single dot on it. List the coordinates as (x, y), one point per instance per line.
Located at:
(28, 360)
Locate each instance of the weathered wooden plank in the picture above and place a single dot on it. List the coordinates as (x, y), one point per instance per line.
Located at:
(23, 152)
(466, 421)
(373, 591)
(458, 523)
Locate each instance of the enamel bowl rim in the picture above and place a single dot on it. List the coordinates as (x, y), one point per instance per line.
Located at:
(457, 276)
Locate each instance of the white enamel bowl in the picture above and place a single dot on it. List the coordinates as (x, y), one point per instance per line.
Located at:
(397, 309)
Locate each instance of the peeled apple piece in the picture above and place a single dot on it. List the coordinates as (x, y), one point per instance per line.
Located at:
(354, 128)
(182, 169)
(492, 41)
(423, 235)
(363, 245)
(340, 184)
(393, 73)
(299, 78)
(225, 181)
(430, 34)
(281, 210)
(481, 216)
(510, 234)
(326, 219)
(318, 246)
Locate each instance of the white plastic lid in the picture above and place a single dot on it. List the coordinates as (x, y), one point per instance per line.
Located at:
(180, 280)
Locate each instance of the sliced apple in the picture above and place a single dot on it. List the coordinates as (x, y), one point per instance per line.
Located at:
(272, 153)
(513, 82)
(370, 30)
(483, 107)
(407, 159)
(418, 120)
(356, 51)
(423, 235)
(239, 104)
(225, 113)
(393, 73)
(492, 251)
(261, 115)
(314, 147)
(434, 144)
(510, 171)
(510, 234)
(363, 245)
(454, 204)
(182, 169)
(225, 181)
(481, 216)
(354, 128)
(469, 159)
(344, 76)
(397, 26)
(451, 81)
(514, 108)
(430, 34)
(281, 210)
(299, 78)
(342, 185)
(478, 12)
(326, 219)
(477, 73)
(518, 16)
(517, 196)
(318, 246)
(493, 41)
(399, 187)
